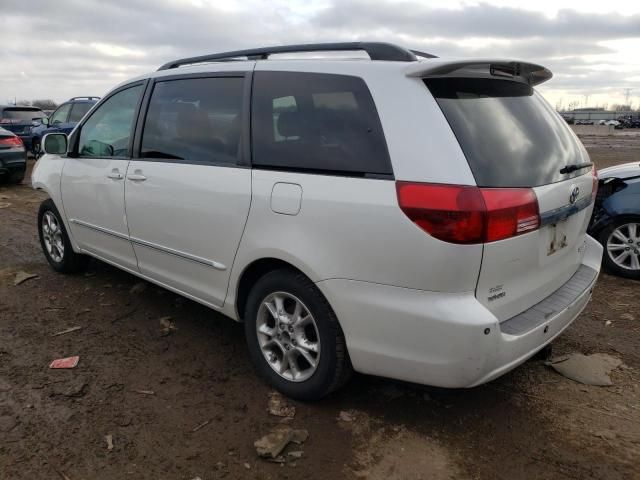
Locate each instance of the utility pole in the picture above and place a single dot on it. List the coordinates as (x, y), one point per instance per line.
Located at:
(627, 95)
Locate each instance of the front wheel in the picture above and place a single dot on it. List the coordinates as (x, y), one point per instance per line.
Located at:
(293, 335)
(621, 242)
(55, 242)
(35, 147)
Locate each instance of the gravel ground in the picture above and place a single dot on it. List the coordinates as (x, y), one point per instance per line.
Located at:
(150, 388)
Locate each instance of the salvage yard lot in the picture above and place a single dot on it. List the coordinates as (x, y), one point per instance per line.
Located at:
(180, 399)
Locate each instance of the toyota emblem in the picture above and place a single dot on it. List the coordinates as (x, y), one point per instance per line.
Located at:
(575, 191)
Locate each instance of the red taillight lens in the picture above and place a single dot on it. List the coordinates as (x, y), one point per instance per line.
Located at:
(594, 187)
(464, 214)
(510, 212)
(11, 142)
(452, 213)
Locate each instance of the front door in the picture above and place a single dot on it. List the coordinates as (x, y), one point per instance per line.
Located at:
(187, 197)
(93, 180)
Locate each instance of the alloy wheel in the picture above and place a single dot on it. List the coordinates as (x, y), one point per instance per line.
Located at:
(52, 235)
(623, 246)
(288, 336)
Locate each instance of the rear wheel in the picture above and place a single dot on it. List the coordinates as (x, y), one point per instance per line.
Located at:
(293, 335)
(621, 241)
(55, 241)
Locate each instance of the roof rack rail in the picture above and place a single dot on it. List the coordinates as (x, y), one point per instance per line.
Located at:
(84, 96)
(375, 50)
(418, 53)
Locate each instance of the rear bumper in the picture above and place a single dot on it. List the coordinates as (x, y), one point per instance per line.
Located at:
(439, 339)
(12, 160)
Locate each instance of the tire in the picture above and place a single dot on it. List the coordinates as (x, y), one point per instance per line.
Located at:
(55, 242)
(35, 147)
(17, 177)
(317, 326)
(616, 245)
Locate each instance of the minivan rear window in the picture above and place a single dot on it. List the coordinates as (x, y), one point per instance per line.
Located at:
(321, 123)
(510, 136)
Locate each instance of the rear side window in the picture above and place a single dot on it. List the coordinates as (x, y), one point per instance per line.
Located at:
(316, 122)
(509, 134)
(197, 119)
(78, 110)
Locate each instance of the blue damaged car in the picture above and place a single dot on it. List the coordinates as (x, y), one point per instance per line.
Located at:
(62, 120)
(616, 219)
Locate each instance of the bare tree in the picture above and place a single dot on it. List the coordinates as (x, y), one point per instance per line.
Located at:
(23, 102)
(45, 104)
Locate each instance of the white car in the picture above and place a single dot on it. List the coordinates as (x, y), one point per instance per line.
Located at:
(613, 123)
(416, 218)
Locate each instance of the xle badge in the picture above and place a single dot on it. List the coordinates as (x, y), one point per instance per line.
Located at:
(496, 292)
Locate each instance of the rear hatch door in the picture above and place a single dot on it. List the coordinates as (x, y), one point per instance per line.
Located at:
(512, 138)
(19, 120)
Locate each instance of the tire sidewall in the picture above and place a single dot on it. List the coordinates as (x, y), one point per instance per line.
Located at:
(284, 281)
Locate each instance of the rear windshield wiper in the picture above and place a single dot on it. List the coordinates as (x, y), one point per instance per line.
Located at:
(575, 166)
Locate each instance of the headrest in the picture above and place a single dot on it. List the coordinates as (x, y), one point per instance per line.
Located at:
(289, 124)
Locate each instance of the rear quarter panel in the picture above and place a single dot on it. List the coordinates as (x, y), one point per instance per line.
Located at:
(351, 228)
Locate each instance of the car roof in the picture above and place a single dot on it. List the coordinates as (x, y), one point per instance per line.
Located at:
(345, 66)
(25, 107)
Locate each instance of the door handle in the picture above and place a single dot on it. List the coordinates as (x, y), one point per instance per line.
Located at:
(115, 174)
(137, 176)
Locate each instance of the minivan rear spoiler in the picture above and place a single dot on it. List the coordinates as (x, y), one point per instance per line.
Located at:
(529, 73)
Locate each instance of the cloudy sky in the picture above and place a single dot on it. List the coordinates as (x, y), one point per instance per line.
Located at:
(64, 48)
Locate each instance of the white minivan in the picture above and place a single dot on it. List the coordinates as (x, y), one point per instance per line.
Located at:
(405, 216)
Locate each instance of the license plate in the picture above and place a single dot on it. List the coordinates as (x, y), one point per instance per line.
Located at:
(557, 237)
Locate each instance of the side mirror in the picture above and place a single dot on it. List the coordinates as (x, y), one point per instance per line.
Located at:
(44, 121)
(54, 143)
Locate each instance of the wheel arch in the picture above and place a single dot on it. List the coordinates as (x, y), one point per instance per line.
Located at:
(252, 272)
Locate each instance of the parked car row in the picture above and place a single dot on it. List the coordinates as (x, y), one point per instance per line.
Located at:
(13, 156)
(30, 124)
(617, 124)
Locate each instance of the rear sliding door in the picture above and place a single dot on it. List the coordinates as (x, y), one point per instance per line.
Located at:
(188, 194)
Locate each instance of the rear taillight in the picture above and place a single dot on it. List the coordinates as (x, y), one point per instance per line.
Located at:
(594, 187)
(11, 142)
(465, 214)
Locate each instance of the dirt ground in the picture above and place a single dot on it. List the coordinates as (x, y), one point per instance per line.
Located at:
(530, 424)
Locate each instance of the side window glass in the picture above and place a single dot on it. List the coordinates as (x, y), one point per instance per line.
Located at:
(197, 119)
(107, 131)
(316, 122)
(78, 111)
(60, 115)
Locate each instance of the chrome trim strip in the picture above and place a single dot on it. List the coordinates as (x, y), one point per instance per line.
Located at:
(562, 213)
(99, 229)
(170, 251)
(178, 253)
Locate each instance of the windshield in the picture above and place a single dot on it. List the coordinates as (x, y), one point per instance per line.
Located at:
(509, 134)
(24, 114)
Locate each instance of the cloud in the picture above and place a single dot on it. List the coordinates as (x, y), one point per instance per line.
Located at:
(79, 47)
